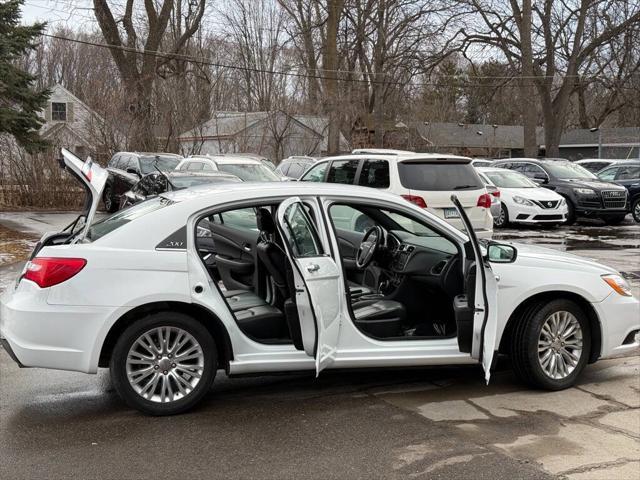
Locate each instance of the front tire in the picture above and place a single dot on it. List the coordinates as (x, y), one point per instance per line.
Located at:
(614, 220)
(635, 210)
(503, 219)
(571, 213)
(164, 363)
(550, 346)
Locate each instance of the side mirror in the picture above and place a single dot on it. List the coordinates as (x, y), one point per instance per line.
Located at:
(501, 253)
(540, 179)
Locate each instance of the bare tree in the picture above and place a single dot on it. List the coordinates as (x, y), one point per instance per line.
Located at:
(139, 72)
(565, 35)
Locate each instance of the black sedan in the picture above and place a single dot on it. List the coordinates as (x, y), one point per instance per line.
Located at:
(159, 182)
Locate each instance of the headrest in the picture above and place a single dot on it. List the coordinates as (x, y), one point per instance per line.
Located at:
(265, 221)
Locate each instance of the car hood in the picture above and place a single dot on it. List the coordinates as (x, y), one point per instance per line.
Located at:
(534, 255)
(595, 184)
(531, 193)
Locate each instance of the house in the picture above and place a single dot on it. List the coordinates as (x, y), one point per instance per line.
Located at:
(275, 135)
(70, 123)
(611, 142)
(473, 140)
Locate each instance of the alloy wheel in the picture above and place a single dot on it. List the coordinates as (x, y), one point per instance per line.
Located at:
(636, 211)
(165, 364)
(560, 345)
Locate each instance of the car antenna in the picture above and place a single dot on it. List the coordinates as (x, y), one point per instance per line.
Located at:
(155, 165)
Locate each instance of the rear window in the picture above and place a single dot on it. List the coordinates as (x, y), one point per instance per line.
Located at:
(249, 172)
(118, 219)
(149, 163)
(438, 176)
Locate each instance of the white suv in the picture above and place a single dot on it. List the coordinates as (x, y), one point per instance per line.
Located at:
(248, 168)
(426, 179)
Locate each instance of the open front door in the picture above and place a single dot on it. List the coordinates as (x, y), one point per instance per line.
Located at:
(317, 282)
(485, 299)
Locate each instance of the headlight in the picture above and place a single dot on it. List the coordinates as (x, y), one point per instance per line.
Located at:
(522, 201)
(202, 232)
(584, 191)
(619, 284)
(562, 202)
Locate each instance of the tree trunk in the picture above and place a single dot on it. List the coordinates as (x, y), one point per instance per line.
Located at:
(330, 65)
(527, 88)
(141, 136)
(552, 133)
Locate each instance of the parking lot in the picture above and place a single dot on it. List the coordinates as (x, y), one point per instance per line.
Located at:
(411, 423)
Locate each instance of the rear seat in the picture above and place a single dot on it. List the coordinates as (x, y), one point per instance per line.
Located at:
(242, 299)
(255, 316)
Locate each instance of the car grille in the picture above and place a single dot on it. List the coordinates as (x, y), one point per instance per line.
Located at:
(547, 203)
(548, 217)
(614, 199)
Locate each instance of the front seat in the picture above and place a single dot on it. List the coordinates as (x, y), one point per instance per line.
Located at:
(379, 318)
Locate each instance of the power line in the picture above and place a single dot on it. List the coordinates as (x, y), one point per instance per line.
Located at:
(202, 61)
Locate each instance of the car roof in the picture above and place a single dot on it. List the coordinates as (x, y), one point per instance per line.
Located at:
(226, 159)
(186, 173)
(539, 161)
(496, 169)
(404, 158)
(150, 154)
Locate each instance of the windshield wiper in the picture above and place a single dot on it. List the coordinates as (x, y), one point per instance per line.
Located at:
(464, 187)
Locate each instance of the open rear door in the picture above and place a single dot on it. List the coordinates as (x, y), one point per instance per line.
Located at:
(317, 282)
(485, 314)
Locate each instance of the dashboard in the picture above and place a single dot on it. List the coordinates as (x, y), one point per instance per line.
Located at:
(415, 255)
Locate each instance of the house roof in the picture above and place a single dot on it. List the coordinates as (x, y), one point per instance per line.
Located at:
(230, 124)
(607, 136)
(470, 135)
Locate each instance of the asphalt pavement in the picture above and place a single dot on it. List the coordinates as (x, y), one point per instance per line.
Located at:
(404, 423)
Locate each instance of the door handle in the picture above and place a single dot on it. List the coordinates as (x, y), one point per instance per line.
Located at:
(246, 247)
(314, 267)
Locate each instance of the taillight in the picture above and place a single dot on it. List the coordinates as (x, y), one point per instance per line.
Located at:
(496, 193)
(419, 201)
(484, 200)
(49, 271)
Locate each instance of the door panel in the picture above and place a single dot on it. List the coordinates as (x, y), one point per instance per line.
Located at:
(235, 254)
(484, 308)
(317, 282)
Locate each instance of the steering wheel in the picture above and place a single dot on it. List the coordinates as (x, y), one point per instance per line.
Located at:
(371, 241)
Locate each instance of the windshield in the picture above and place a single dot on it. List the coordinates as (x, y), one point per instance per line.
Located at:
(118, 219)
(439, 176)
(165, 163)
(564, 170)
(249, 172)
(508, 179)
(190, 181)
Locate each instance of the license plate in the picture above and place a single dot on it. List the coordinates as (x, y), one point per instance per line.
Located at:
(451, 213)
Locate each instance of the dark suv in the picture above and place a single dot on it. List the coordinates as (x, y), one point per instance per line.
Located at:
(586, 195)
(127, 168)
(627, 174)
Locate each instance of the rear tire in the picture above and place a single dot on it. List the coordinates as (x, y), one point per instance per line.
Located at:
(635, 210)
(534, 356)
(164, 363)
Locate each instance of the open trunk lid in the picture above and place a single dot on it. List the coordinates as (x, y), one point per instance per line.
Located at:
(93, 179)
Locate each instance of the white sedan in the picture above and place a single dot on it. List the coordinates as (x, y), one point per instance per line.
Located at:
(290, 290)
(524, 201)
